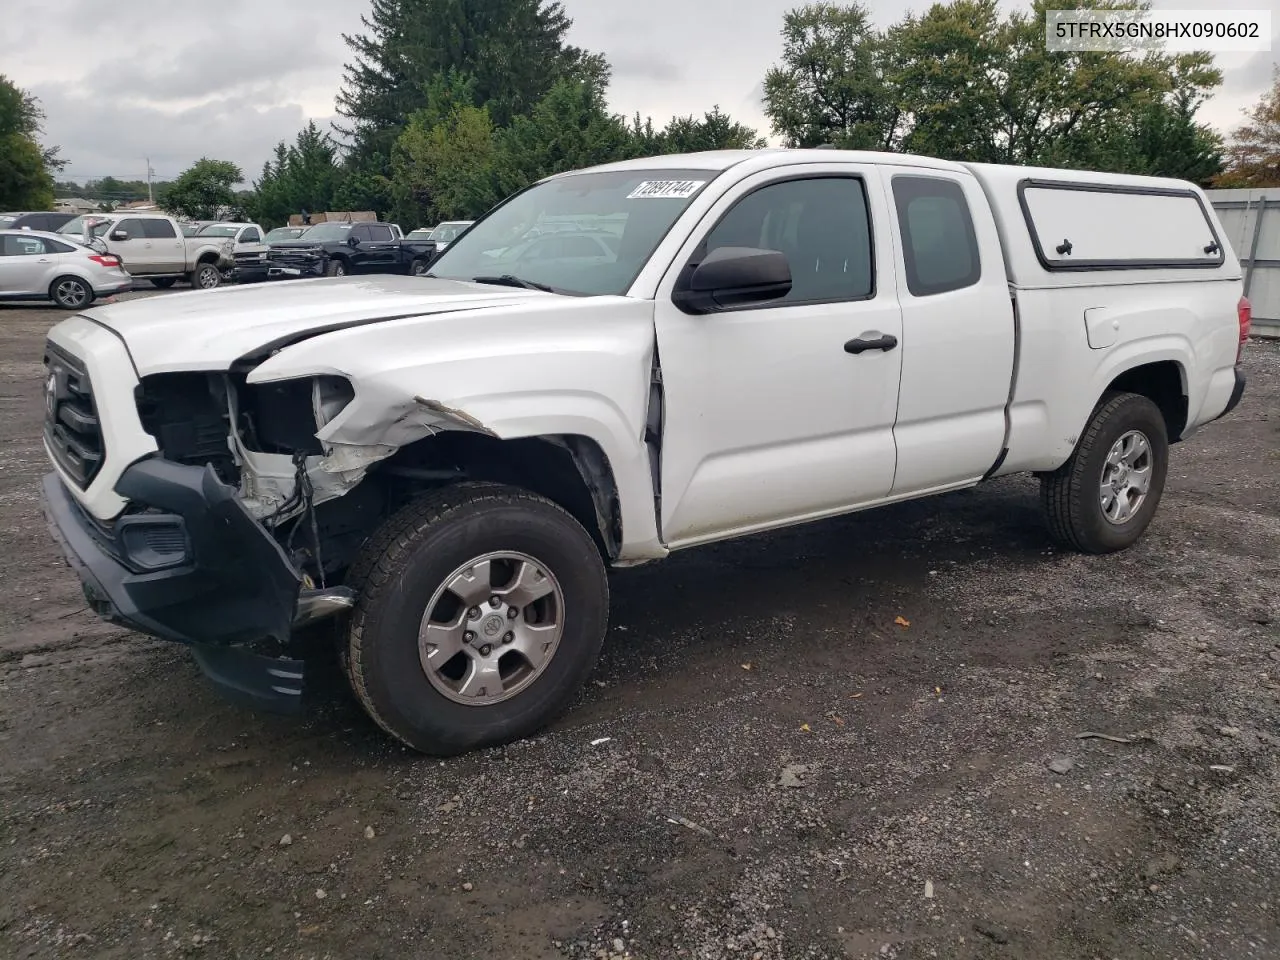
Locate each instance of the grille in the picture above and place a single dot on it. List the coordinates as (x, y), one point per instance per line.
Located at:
(71, 425)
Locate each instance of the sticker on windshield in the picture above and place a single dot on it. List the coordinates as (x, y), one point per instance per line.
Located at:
(666, 189)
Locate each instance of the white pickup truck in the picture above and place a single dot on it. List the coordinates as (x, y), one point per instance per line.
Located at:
(444, 467)
(153, 247)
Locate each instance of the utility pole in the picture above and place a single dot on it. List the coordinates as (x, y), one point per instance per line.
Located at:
(150, 196)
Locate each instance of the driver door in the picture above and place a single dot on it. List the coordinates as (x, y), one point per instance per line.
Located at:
(772, 413)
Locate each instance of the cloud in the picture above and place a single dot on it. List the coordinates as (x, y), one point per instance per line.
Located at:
(176, 80)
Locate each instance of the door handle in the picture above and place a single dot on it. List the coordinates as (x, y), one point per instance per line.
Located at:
(884, 344)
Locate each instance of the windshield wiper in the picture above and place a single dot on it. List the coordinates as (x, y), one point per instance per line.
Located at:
(510, 280)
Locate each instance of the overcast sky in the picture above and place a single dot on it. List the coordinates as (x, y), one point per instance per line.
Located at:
(175, 81)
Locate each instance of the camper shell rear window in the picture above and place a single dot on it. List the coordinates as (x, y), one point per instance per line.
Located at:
(1097, 226)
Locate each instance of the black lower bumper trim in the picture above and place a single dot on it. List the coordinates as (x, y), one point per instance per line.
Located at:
(235, 585)
(267, 683)
(1236, 394)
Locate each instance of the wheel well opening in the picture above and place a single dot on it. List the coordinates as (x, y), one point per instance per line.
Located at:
(208, 258)
(1162, 384)
(570, 471)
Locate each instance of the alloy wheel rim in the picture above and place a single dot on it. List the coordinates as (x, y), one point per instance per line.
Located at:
(1126, 477)
(71, 294)
(491, 628)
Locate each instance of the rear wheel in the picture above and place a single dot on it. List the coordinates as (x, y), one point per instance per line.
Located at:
(207, 276)
(70, 293)
(1103, 498)
(481, 612)
(164, 283)
(420, 268)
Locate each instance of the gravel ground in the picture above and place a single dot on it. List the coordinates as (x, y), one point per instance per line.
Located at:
(863, 738)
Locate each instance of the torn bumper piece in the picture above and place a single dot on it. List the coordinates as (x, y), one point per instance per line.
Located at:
(194, 568)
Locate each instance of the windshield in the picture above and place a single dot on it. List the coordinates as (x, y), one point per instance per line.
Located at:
(448, 231)
(587, 233)
(418, 235)
(284, 233)
(328, 231)
(217, 230)
(99, 226)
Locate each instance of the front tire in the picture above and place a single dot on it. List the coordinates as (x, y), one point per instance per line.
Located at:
(335, 268)
(481, 612)
(207, 276)
(1104, 497)
(71, 293)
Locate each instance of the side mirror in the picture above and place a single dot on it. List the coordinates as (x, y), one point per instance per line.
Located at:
(353, 241)
(119, 234)
(734, 277)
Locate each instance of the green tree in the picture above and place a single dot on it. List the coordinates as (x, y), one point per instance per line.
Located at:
(966, 81)
(715, 131)
(204, 190)
(514, 51)
(1254, 154)
(26, 179)
(831, 87)
(444, 171)
(570, 128)
(301, 176)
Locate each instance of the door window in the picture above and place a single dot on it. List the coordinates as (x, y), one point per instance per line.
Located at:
(16, 246)
(133, 228)
(158, 230)
(379, 233)
(823, 226)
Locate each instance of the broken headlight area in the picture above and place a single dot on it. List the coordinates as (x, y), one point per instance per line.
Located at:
(260, 438)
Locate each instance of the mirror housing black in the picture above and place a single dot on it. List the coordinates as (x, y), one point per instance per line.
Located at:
(734, 277)
(119, 234)
(353, 241)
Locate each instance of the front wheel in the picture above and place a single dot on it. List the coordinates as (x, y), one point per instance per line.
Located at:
(1103, 498)
(207, 276)
(481, 611)
(336, 268)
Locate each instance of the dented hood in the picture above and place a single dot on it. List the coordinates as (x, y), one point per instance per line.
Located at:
(210, 330)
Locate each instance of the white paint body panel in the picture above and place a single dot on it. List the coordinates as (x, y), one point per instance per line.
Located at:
(768, 421)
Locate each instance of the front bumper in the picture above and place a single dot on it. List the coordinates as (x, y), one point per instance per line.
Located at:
(213, 579)
(296, 269)
(250, 273)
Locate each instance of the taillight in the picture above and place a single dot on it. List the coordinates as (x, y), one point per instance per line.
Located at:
(1244, 312)
(107, 260)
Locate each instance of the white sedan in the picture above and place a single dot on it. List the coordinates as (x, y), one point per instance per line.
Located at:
(44, 266)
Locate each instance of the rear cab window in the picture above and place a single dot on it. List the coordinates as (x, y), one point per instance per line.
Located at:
(1098, 226)
(939, 244)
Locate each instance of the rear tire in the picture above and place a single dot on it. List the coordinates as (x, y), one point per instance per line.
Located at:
(1104, 497)
(429, 652)
(164, 283)
(420, 268)
(335, 268)
(71, 293)
(206, 276)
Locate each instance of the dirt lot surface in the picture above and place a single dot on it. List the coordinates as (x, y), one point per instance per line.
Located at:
(768, 763)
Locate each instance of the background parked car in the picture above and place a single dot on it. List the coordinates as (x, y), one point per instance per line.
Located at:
(38, 265)
(447, 232)
(337, 249)
(37, 220)
(280, 234)
(152, 247)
